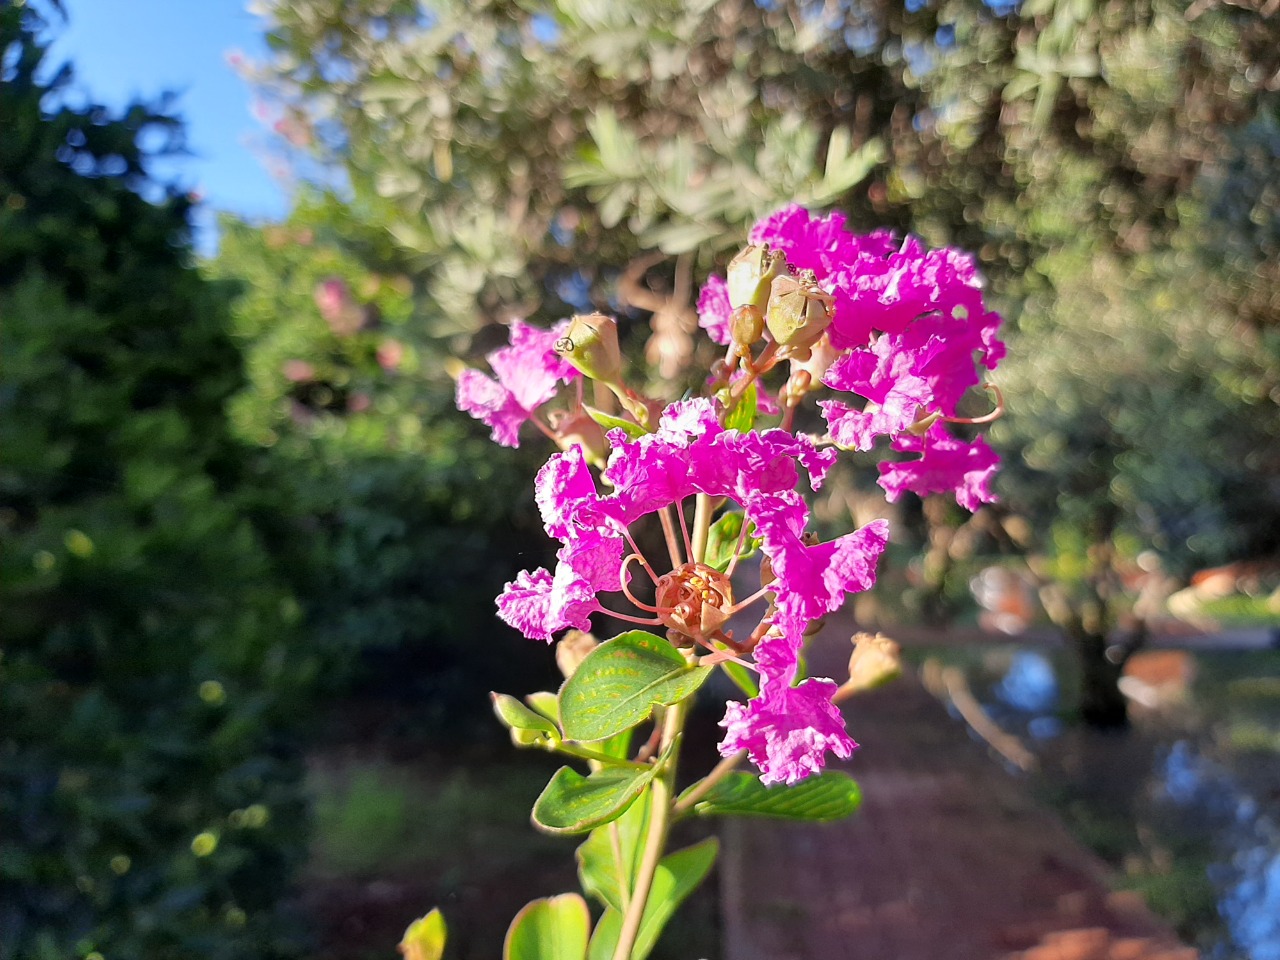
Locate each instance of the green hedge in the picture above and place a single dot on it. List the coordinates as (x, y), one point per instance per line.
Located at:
(152, 675)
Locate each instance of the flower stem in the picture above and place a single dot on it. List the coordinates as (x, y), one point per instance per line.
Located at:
(662, 794)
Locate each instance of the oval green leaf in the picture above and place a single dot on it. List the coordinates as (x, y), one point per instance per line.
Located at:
(609, 422)
(827, 796)
(743, 416)
(608, 858)
(516, 716)
(572, 803)
(554, 928)
(618, 684)
(425, 938)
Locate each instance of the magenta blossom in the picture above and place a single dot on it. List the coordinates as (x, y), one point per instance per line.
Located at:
(527, 372)
(691, 453)
(714, 310)
(946, 465)
(787, 730)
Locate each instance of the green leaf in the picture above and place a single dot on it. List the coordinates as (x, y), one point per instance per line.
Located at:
(599, 870)
(618, 684)
(425, 938)
(619, 745)
(545, 703)
(554, 928)
(609, 422)
(604, 939)
(572, 803)
(742, 677)
(517, 716)
(827, 796)
(677, 876)
(743, 416)
(722, 541)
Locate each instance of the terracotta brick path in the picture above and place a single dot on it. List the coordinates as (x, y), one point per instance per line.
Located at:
(949, 859)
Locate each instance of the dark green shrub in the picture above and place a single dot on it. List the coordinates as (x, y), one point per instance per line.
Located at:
(150, 684)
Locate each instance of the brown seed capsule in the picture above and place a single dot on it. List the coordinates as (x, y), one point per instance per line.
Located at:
(694, 599)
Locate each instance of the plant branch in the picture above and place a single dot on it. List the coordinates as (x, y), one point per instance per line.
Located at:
(662, 793)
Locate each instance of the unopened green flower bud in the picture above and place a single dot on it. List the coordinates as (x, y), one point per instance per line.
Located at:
(591, 346)
(750, 274)
(746, 325)
(799, 312)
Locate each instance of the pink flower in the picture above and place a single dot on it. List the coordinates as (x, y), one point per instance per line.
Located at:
(714, 309)
(877, 285)
(946, 465)
(813, 579)
(527, 374)
(787, 730)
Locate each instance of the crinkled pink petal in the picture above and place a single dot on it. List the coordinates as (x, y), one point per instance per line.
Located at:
(525, 604)
(857, 429)
(527, 371)
(573, 599)
(947, 465)
(714, 309)
(686, 420)
(812, 580)
(562, 489)
(787, 731)
(878, 285)
(530, 367)
(595, 559)
(492, 404)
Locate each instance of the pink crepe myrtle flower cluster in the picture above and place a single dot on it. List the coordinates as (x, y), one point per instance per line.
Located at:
(527, 372)
(905, 330)
(692, 453)
(906, 324)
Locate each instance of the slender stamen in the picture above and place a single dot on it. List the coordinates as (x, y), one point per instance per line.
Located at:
(639, 555)
(788, 410)
(995, 414)
(650, 622)
(747, 601)
(545, 429)
(720, 656)
(684, 529)
(626, 591)
(737, 551)
(669, 531)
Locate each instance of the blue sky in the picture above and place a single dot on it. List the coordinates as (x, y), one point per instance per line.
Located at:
(140, 48)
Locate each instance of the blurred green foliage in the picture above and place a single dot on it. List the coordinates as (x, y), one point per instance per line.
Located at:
(1111, 164)
(152, 676)
(396, 521)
